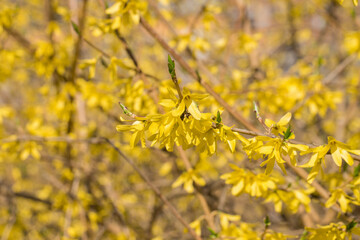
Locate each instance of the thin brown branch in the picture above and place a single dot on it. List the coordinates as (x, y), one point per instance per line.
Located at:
(338, 69)
(20, 39)
(96, 48)
(196, 19)
(82, 18)
(31, 197)
(128, 50)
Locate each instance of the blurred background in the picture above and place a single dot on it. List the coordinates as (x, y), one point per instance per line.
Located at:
(66, 64)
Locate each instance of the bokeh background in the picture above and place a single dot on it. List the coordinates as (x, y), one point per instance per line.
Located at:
(59, 94)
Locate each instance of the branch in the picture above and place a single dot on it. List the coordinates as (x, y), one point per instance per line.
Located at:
(72, 74)
(29, 196)
(338, 69)
(20, 39)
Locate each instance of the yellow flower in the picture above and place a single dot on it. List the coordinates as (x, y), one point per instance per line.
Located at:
(341, 151)
(188, 178)
(333, 231)
(338, 151)
(338, 195)
(244, 181)
(280, 126)
(273, 149)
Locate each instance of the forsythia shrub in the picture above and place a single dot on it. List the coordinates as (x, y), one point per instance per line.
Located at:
(238, 119)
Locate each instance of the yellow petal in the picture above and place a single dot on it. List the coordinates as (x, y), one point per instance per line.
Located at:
(269, 122)
(331, 201)
(282, 167)
(169, 127)
(270, 166)
(199, 180)
(134, 139)
(285, 119)
(335, 153)
(302, 197)
(313, 173)
(324, 151)
(194, 111)
(314, 158)
(114, 8)
(356, 152)
(120, 128)
(343, 203)
(347, 157)
(236, 189)
(232, 144)
(168, 103)
(266, 150)
(153, 128)
(188, 186)
(179, 110)
(198, 96)
(298, 147)
(178, 181)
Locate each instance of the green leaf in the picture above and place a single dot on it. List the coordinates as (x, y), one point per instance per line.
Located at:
(213, 234)
(171, 66)
(350, 225)
(267, 221)
(218, 117)
(304, 235)
(126, 111)
(75, 27)
(288, 133)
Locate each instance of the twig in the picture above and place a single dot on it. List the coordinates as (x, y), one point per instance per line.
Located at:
(31, 197)
(82, 19)
(131, 54)
(96, 48)
(20, 39)
(196, 18)
(338, 69)
(260, 119)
